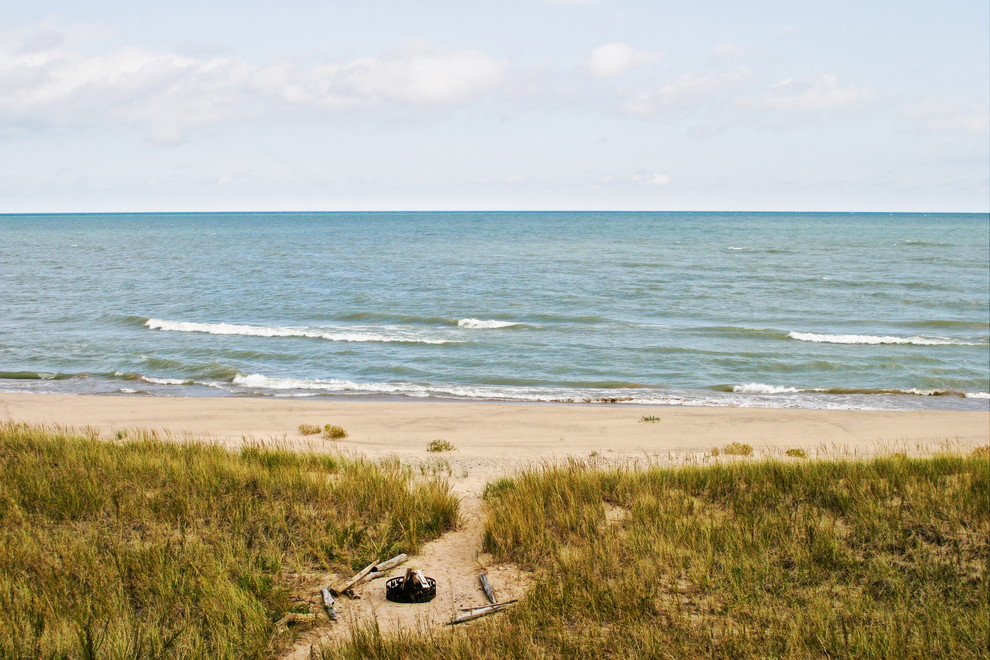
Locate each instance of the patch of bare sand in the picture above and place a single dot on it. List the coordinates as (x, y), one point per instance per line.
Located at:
(454, 560)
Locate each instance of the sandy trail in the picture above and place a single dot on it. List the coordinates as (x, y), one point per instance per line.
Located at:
(454, 560)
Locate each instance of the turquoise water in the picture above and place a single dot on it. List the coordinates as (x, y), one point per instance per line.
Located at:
(809, 310)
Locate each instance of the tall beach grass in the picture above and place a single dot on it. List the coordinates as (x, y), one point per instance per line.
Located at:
(152, 548)
(885, 558)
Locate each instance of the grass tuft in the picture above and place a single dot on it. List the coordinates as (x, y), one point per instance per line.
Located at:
(796, 453)
(982, 452)
(309, 429)
(650, 419)
(331, 432)
(737, 449)
(440, 445)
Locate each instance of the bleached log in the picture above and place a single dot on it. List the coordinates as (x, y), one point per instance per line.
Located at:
(487, 588)
(380, 569)
(343, 589)
(391, 563)
(329, 604)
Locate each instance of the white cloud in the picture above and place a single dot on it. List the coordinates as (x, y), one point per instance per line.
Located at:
(816, 93)
(50, 81)
(615, 59)
(727, 52)
(651, 178)
(688, 90)
(938, 116)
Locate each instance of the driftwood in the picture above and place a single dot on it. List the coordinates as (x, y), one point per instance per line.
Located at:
(344, 588)
(414, 578)
(471, 613)
(378, 571)
(487, 588)
(329, 604)
(496, 606)
(372, 571)
(390, 564)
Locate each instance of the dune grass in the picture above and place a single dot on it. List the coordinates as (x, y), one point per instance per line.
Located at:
(439, 445)
(884, 558)
(151, 548)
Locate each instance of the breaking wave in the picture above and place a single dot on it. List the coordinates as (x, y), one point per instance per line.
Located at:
(478, 324)
(760, 388)
(383, 334)
(873, 339)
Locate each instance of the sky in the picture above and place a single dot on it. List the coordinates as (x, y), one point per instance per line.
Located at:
(323, 105)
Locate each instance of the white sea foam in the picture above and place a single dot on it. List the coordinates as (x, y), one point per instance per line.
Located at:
(871, 339)
(168, 381)
(978, 395)
(760, 388)
(478, 324)
(385, 334)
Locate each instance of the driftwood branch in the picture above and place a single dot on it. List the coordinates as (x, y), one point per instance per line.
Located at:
(472, 613)
(344, 588)
(378, 571)
(487, 588)
(495, 606)
(329, 604)
(390, 564)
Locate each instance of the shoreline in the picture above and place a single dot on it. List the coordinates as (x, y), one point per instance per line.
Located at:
(492, 437)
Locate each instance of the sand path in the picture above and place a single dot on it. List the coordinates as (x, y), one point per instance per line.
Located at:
(454, 560)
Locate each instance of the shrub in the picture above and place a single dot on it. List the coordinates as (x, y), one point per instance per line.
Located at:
(309, 429)
(738, 449)
(797, 453)
(439, 445)
(331, 432)
(649, 419)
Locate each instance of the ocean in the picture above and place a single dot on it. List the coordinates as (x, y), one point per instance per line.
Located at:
(854, 310)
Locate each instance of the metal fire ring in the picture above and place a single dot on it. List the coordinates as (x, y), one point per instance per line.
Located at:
(395, 593)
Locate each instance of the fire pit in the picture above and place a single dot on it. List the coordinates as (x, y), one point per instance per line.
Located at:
(413, 587)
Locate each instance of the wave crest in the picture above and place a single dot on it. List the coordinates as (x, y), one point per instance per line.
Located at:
(478, 324)
(873, 339)
(345, 334)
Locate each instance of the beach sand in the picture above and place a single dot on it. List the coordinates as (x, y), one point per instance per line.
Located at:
(506, 435)
(493, 440)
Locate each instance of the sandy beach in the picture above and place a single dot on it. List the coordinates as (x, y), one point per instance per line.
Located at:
(504, 435)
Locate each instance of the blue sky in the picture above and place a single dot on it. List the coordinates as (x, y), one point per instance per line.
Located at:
(567, 104)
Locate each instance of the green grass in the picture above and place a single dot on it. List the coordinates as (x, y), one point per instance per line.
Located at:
(796, 453)
(148, 548)
(800, 559)
(650, 419)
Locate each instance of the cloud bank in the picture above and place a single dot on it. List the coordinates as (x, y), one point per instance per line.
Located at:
(46, 79)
